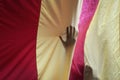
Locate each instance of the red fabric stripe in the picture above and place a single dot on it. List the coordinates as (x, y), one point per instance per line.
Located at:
(77, 68)
(18, 31)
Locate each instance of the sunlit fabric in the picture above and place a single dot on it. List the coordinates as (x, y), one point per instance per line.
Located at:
(102, 43)
(18, 31)
(87, 12)
(76, 14)
(53, 60)
(30, 45)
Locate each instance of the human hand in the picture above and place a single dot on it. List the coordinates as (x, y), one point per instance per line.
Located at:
(88, 73)
(70, 33)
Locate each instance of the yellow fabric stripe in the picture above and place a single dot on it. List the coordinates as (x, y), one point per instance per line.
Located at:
(102, 44)
(53, 60)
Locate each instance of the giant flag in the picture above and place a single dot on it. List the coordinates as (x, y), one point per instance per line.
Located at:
(30, 47)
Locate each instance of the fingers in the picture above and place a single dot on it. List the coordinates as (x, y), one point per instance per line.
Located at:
(67, 33)
(61, 39)
(70, 32)
(88, 73)
(73, 32)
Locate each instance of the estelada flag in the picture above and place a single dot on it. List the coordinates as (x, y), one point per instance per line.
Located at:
(30, 47)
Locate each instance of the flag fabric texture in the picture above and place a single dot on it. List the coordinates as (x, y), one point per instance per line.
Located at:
(87, 12)
(53, 59)
(102, 43)
(30, 47)
(18, 33)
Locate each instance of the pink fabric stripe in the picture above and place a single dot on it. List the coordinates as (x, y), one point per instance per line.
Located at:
(18, 32)
(88, 10)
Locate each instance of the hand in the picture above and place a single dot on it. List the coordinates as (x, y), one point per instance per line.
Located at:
(70, 33)
(88, 73)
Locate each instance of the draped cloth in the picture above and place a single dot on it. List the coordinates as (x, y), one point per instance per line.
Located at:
(18, 32)
(53, 59)
(102, 43)
(87, 12)
(30, 47)
(76, 15)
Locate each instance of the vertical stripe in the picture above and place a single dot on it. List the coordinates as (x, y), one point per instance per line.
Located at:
(77, 68)
(18, 30)
(53, 60)
(102, 49)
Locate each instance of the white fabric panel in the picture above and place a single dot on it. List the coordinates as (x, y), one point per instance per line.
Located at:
(76, 14)
(53, 60)
(102, 44)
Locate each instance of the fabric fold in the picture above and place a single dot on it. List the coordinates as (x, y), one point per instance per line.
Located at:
(18, 30)
(87, 12)
(103, 35)
(53, 59)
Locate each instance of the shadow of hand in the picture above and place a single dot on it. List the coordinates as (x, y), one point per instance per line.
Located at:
(70, 33)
